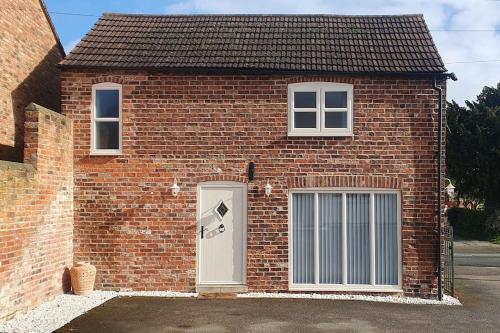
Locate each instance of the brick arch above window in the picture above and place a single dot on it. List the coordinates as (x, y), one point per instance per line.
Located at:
(322, 78)
(108, 79)
(362, 181)
(221, 177)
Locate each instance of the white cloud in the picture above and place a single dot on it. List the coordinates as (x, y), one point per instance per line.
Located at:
(454, 46)
(70, 45)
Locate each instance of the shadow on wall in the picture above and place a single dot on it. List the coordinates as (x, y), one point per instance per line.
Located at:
(42, 86)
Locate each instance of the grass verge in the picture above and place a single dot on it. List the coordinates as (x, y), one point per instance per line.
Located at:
(495, 239)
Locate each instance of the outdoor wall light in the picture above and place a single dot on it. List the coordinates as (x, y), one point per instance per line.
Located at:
(450, 189)
(268, 189)
(251, 171)
(175, 188)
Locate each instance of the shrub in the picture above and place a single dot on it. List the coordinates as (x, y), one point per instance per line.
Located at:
(470, 223)
(493, 223)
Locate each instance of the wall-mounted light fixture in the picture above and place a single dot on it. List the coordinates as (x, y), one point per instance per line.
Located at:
(175, 188)
(450, 189)
(268, 189)
(251, 171)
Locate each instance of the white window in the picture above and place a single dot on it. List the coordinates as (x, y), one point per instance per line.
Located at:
(320, 109)
(345, 240)
(106, 137)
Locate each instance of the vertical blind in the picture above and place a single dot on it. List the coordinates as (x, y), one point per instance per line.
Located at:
(358, 239)
(386, 231)
(330, 238)
(303, 236)
(318, 241)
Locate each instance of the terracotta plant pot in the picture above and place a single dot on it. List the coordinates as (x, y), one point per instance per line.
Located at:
(82, 278)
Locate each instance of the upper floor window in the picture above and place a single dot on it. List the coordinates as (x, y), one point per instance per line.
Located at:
(320, 109)
(106, 119)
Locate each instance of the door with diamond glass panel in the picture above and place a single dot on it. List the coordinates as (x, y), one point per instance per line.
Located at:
(221, 231)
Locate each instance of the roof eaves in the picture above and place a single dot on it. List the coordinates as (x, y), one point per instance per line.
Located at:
(257, 71)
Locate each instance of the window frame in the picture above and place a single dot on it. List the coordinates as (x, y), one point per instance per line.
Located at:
(344, 286)
(320, 88)
(95, 120)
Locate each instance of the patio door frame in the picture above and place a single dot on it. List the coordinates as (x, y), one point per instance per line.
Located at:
(372, 287)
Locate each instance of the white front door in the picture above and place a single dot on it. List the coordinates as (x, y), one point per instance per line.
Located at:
(221, 231)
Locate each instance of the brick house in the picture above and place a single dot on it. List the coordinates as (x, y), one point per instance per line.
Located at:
(29, 69)
(36, 161)
(257, 152)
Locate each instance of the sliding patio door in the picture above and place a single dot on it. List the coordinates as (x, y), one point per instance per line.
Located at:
(346, 240)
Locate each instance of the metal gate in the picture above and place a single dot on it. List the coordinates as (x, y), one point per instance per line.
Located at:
(448, 273)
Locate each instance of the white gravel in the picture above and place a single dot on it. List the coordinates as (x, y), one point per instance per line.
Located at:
(53, 314)
(157, 294)
(447, 300)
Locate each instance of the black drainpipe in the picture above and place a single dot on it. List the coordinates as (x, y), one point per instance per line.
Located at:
(439, 176)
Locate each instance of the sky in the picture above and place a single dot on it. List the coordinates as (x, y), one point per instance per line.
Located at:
(466, 32)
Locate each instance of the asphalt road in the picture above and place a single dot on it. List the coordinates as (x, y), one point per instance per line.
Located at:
(478, 287)
(478, 260)
(477, 254)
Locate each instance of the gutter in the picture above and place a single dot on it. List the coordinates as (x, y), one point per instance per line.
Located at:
(439, 180)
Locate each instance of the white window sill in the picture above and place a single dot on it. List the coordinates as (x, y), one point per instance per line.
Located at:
(325, 134)
(106, 153)
(346, 288)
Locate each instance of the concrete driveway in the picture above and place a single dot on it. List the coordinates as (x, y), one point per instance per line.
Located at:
(478, 288)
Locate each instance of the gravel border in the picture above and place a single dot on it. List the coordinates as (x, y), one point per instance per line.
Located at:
(447, 300)
(54, 314)
(172, 294)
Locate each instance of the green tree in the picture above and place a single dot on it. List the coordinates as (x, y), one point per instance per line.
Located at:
(473, 147)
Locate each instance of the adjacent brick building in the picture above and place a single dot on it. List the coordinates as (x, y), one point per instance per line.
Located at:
(260, 153)
(36, 161)
(28, 63)
(36, 214)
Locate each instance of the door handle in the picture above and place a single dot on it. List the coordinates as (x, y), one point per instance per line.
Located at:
(202, 232)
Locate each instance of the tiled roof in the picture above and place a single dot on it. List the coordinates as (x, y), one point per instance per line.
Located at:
(332, 43)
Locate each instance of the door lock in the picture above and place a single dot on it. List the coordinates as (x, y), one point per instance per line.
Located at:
(221, 228)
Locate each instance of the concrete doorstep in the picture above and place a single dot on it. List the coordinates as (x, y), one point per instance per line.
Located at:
(217, 295)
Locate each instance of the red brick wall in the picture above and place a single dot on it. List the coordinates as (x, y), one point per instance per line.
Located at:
(29, 54)
(36, 215)
(197, 128)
